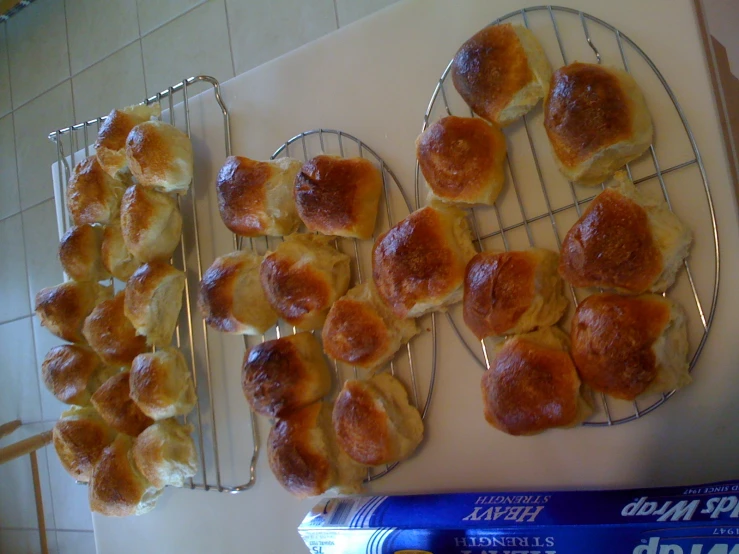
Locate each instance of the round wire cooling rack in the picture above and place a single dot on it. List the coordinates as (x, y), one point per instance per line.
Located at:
(534, 210)
(415, 364)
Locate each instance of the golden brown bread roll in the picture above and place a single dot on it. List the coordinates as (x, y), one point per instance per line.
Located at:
(501, 72)
(508, 293)
(165, 454)
(625, 240)
(374, 422)
(626, 346)
(80, 253)
(256, 198)
(231, 297)
(151, 223)
(338, 196)
(119, 262)
(418, 265)
(362, 331)
(110, 146)
(281, 376)
(303, 277)
(117, 488)
(110, 333)
(62, 309)
(596, 120)
(532, 385)
(73, 372)
(79, 437)
(93, 196)
(463, 160)
(161, 385)
(159, 156)
(153, 301)
(305, 458)
(114, 403)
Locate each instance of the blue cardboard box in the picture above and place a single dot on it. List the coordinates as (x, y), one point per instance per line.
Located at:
(681, 520)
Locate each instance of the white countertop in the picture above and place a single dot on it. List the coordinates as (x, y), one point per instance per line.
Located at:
(373, 79)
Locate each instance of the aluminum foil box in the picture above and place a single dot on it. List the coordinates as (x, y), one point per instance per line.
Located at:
(681, 520)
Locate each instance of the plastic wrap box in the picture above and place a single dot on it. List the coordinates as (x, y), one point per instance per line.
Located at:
(681, 520)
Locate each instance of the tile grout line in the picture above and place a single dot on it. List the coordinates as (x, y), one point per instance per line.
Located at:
(336, 14)
(34, 205)
(13, 320)
(141, 49)
(69, 61)
(230, 44)
(7, 60)
(48, 529)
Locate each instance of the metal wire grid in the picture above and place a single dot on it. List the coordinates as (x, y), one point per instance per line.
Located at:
(80, 136)
(300, 147)
(706, 316)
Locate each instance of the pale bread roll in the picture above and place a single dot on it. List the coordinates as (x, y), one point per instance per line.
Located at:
(110, 146)
(231, 298)
(303, 277)
(114, 403)
(79, 438)
(374, 422)
(117, 487)
(110, 333)
(532, 385)
(161, 385)
(62, 309)
(80, 253)
(73, 372)
(165, 454)
(93, 196)
(418, 265)
(501, 72)
(597, 121)
(362, 331)
(151, 223)
(628, 346)
(153, 301)
(256, 198)
(116, 258)
(160, 156)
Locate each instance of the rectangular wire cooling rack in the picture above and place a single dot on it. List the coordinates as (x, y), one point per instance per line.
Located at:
(191, 335)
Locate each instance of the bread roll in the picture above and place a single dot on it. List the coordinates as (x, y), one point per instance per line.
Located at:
(80, 253)
(114, 403)
(165, 454)
(281, 376)
(508, 293)
(596, 120)
(374, 422)
(338, 196)
(110, 333)
(627, 346)
(360, 330)
(116, 258)
(117, 488)
(231, 296)
(305, 458)
(93, 196)
(627, 241)
(159, 156)
(79, 437)
(153, 301)
(462, 160)
(501, 72)
(532, 385)
(161, 385)
(72, 373)
(256, 198)
(110, 146)
(303, 277)
(418, 265)
(62, 309)
(151, 223)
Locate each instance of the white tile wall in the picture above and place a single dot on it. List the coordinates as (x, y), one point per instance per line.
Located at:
(37, 44)
(116, 81)
(62, 61)
(97, 29)
(10, 202)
